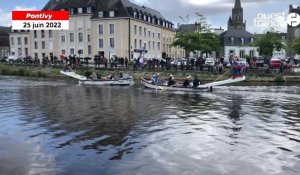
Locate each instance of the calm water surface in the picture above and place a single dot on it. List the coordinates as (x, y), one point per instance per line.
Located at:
(58, 127)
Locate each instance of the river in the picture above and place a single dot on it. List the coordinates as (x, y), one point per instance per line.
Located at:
(59, 127)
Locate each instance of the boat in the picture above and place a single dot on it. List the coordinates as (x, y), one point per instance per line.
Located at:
(125, 81)
(204, 87)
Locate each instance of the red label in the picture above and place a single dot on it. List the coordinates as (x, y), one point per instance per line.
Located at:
(40, 15)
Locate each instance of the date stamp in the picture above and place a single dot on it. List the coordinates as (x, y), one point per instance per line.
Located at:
(40, 20)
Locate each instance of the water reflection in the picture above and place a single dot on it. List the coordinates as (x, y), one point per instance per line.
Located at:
(60, 128)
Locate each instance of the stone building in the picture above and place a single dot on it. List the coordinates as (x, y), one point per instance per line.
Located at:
(4, 41)
(236, 40)
(101, 27)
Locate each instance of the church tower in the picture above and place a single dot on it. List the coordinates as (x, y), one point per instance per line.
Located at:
(236, 21)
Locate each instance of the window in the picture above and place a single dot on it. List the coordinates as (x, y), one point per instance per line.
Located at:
(100, 28)
(80, 37)
(13, 53)
(89, 38)
(145, 32)
(158, 45)
(36, 55)
(89, 10)
(134, 14)
(153, 35)
(71, 23)
(135, 43)
(242, 53)
(140, 31)
(79, 10)
(43, 33)
(111, 29)
(283, 37)
(43, 55)
(251, 53)
(158, 35)
(71, 37)
(149, 19)
(72, 51)
(50, 33)
(153, 45)
(101, 43)
(35, 34)
(100, 14)
(232, 40)
(19, 40)
(25, 40)
(145, 46)
(251, 40)
(63, 38)
(71, 10)
(149, 34)
(140, 15)
(112, 42)
(36, 45)
(89, 49)
(140, 44)
(242, 41)
(80, 24)
(111, 13)
(63, 52)
(43, 45)
(12, 41)
(26, 51)
(145, 18)
(158, 22)
(149, 45)
(135, 29)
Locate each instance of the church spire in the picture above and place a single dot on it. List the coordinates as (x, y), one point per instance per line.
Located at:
(237, 4)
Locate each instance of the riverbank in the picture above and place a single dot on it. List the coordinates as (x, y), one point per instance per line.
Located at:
(253, 75)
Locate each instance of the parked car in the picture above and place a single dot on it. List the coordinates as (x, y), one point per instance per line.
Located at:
(209, 61)
(260, 61)
(12, 59)
(275, 64)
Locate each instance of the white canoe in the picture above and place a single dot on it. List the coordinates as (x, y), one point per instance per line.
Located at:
(127, 80)
(204, 87)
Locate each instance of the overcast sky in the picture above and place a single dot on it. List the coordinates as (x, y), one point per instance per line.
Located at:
(217, 12)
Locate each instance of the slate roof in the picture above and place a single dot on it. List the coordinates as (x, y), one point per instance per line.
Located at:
(237, 33)
(4, 36)
(187, 28)
(121, 7)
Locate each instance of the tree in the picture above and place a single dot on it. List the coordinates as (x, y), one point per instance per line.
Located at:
(295, 46)
(268, 42)
(202, 39)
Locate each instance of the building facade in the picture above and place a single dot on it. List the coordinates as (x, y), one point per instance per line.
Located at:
(236, 40)
(4, 42)
(105, 28)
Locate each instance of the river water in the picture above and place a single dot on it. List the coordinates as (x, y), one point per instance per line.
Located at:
(59, 127)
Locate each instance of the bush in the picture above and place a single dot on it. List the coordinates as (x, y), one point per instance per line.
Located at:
(279, 79)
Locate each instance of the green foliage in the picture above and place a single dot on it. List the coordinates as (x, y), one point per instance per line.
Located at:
(204, 42)
(296, 45)
(202, 39)
(279, 79)
(268, 42)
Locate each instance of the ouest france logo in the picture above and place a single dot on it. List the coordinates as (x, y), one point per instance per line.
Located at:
(276, 20)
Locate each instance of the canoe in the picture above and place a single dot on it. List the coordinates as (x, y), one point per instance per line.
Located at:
(126, 81)
(204, 87)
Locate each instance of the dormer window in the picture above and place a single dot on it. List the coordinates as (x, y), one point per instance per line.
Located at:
(71, 10)
(100, 14)
(89, 10)
(158, 22)
(251, 40)
(145, 17)
(134, 14)
(149, 19)
(111, 13)
(79, 10)
(232, 40)
(140, 15)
